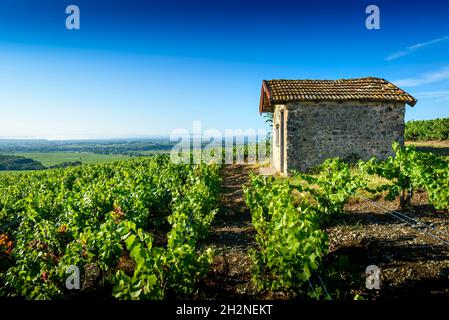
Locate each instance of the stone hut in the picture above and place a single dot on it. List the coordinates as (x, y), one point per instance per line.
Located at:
(314, 120)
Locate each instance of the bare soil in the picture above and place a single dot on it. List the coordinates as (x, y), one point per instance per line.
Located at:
(412, 264)
(232, 237)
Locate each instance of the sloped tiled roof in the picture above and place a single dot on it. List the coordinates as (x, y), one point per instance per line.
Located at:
(361, 89)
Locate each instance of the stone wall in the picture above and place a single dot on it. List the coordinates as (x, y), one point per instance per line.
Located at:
(315, 131)
(276, 145)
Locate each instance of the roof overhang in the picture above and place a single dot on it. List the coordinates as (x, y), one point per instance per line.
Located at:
(265, 99)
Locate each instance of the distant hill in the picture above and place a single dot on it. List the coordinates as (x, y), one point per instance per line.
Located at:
(8, 162)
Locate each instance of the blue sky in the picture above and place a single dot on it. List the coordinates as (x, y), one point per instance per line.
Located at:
(144, 68)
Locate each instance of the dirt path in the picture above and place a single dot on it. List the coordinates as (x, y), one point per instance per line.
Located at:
(232, 236)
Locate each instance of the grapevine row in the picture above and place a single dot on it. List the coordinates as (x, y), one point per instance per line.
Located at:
(106, 220)
(289, 214)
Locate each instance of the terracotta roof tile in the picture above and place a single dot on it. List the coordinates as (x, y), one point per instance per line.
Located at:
(364, 89)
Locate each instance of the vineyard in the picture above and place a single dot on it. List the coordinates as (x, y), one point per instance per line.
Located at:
(141, 229)
(290, 218)
(133, 227)
(425, 130)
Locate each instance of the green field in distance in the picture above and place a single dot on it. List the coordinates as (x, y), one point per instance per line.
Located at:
(53, 158)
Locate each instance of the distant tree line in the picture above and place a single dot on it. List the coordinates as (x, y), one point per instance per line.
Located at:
(17, 163)
(135, 148)
(65, 165)
(8, 162)
(125, 147)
